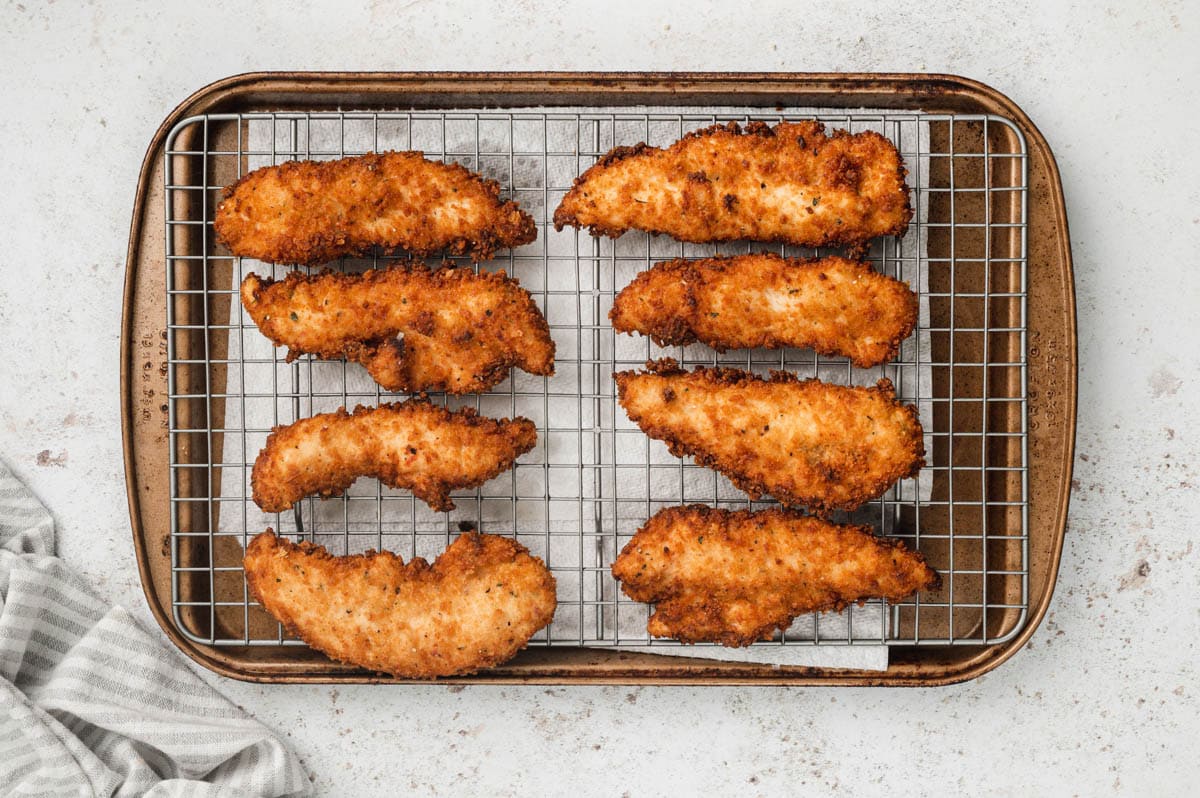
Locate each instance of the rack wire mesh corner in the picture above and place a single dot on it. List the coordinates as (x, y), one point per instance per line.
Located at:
(594, 478)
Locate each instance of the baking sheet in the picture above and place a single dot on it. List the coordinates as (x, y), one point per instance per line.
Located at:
(985, 152)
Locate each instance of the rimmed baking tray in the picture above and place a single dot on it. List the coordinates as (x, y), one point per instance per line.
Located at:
(999, 355)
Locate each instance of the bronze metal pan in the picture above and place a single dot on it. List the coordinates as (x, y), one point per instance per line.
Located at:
(1050, 324)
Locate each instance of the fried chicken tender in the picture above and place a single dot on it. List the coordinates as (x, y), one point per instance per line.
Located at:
(316, 211)
(804, 442)
(461, 331)
(790, 183)
(475, 607)
(833, 305)
(737, 577)
(416, 445)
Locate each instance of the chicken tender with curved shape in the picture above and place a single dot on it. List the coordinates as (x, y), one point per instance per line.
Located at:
(475, 607)
(832, 305)
(461, 331)
(790, 183)
(738, 577)
(416, 445)
(311, 212)
(804, 442)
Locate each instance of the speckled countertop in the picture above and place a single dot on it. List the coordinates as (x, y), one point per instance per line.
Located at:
(1102, 701)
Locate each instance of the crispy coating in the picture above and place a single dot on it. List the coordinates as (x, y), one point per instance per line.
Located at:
(737, 577)
(805, 442)
(475, 607)
(417, 445)
(833, 305)
(317, 211)
(461, 331)
(789, 183)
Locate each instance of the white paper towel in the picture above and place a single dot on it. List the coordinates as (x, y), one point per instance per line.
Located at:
(572, 277)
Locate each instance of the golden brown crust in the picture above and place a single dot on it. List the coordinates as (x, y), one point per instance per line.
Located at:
(475, 607)
(317, 211)
(416, 445)
(789, 184)
(738, 577)
(804, 442)
(462, 331)
(832, 305)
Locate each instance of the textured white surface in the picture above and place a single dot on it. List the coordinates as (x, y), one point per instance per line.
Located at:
(1103, 700)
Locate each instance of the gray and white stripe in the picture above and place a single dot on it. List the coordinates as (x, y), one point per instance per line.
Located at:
(92, 705)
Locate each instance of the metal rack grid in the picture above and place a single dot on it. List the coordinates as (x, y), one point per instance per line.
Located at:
(594, 478)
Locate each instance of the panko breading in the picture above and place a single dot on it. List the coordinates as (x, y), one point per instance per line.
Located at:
(737, 577)
(461, 331)
(415, 445)
(789, 183)
(832, 305)
(475, 607)
(316, 211)
(804, 442)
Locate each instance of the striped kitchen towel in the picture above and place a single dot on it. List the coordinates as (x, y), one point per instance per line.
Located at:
(93, 705)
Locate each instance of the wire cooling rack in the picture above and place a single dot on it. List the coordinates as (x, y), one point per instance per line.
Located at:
(594, 478)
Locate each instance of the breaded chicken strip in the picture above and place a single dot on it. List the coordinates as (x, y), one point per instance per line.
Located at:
(737, 577)
(475, 607)
(415, 445)
(461, 331)
(805, 442)
(833, 305)
(317, 211)
(790, 184)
